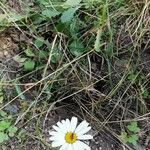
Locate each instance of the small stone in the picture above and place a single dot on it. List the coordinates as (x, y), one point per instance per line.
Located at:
(5, 53)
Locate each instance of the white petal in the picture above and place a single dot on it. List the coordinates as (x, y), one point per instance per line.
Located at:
(63, 122)
(59, 124)
(58, 129)
(75, 146)
(70, 147)
(55, 133)
(85, 130)
(81, 126)
(68, 125)
(83, 145)
(62, 126)
(57, 143)
(73, 123)
(64, 147)
(85, 137)
(79, 145)
(56, 138)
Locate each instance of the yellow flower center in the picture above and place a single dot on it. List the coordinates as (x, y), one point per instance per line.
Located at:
(70, 137)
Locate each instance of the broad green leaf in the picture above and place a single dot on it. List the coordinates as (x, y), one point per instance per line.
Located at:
(133, 139)
(4, 125)
(68, 14)
(133, 127)
(3, 137)
(77, 48)
(29, 65)
(43, 54)
(39, 42)
(44, 2)
(50, 13)
(72, 3)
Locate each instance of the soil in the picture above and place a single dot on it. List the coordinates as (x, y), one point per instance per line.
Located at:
(6, 47)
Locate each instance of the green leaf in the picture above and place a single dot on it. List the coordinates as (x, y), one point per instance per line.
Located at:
(4, 125)
(50, 13)
(55, 58)
(43, 54)
(3, 137)
(19, 91)
(19, 59)
(145, 93)
(44, 2)
(29, 52)
(39, 42)
(133, 127)
(29, 65)
(77, 48)
(72, 3)
(124, 137)
(1, 99)
(3, 17)
(68, 14)
(12, 130)
(3, 113)
(133, 139)
(13, 17)
(97, 41)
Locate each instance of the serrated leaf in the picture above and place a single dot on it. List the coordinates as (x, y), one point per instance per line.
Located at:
(133, 139)
(72, 3)
(29, 52)
(3, 137)
(124, 137)
(50, 13)
(133, 127)
(29, 65)
(68, 14)
(4, 125)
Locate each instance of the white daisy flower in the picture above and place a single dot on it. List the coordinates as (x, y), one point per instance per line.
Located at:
(68, 135)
